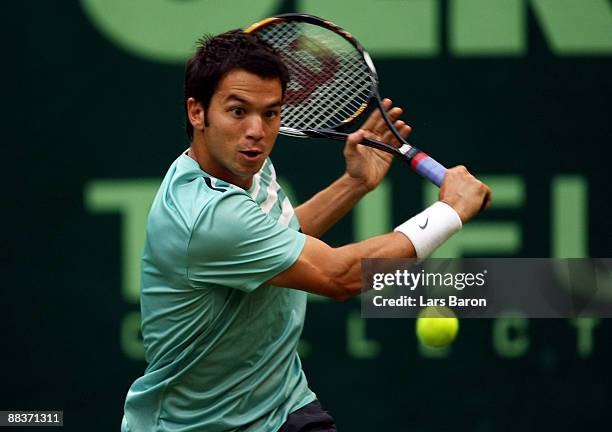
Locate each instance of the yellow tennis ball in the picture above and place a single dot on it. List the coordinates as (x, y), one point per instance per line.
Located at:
(437, 326)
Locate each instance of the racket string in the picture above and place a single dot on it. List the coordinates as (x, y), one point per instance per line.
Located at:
(343, 93)
(326, 111)
(329, 80)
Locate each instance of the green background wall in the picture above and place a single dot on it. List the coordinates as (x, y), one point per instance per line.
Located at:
(519, 91)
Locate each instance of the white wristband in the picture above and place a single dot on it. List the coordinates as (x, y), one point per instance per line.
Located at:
(430, 228)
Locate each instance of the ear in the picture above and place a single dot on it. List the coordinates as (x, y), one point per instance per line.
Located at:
(196, 114)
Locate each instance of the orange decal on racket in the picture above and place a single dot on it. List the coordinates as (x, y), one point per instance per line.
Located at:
(261, 23)
(357, 113)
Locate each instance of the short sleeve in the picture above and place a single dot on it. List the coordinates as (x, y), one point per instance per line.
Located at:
(234, 243)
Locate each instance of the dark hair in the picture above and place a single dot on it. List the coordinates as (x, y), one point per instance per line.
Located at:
(217, 55)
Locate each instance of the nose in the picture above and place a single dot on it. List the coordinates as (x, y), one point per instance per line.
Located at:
(255, 128)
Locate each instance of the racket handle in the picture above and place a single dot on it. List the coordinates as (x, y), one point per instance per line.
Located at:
(422, 163)
(429, 168)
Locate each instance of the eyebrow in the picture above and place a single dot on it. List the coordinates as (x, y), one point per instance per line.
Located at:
(233, 97)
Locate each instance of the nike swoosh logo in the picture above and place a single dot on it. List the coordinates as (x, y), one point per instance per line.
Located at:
(425, 224)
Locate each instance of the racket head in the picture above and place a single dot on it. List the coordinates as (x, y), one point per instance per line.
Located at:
(332, 79)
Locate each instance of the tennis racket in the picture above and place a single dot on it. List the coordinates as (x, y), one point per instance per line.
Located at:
(333, 82)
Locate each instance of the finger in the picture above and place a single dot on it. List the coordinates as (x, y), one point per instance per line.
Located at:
(381, 127)
(461, 169)
(487, 200)
(388, 136)
(381, 124)
(394, 113)
(355, 138)
(403, 130)
(488, 197)
(376, 117)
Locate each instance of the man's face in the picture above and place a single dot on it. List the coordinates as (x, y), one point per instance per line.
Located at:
(243, 122)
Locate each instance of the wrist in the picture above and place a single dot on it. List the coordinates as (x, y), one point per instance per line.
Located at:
(459, 209)
(356, 185)
(430, 228)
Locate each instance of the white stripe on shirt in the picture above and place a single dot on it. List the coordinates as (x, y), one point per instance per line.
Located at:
(272, 191)
(287, 212)
(257, 181)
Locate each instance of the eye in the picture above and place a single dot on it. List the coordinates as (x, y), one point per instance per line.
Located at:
(271, 114)
(238, 111)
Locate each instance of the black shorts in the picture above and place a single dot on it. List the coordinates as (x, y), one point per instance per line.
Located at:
(309, 418)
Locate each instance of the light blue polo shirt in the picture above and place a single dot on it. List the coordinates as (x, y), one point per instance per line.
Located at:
(219, 342)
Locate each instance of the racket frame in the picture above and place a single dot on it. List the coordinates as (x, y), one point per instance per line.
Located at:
(419, 161)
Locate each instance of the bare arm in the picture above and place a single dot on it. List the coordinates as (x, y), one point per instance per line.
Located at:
(365, 169)
(327, 207)
(336, 272)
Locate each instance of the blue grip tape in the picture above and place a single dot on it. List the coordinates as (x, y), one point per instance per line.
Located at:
(431, 170)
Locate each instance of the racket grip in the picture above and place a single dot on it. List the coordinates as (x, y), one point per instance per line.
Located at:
(429, 168)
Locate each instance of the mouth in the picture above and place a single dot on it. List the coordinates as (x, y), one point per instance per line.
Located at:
(251, 154)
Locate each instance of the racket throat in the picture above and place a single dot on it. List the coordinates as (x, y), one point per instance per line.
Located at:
(408, 151)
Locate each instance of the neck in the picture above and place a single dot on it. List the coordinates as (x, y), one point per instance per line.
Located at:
(197, 151)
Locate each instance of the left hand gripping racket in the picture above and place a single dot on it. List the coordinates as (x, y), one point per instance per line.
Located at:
(332, 83)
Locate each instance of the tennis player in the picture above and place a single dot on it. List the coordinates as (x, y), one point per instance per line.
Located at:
(228, 261)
